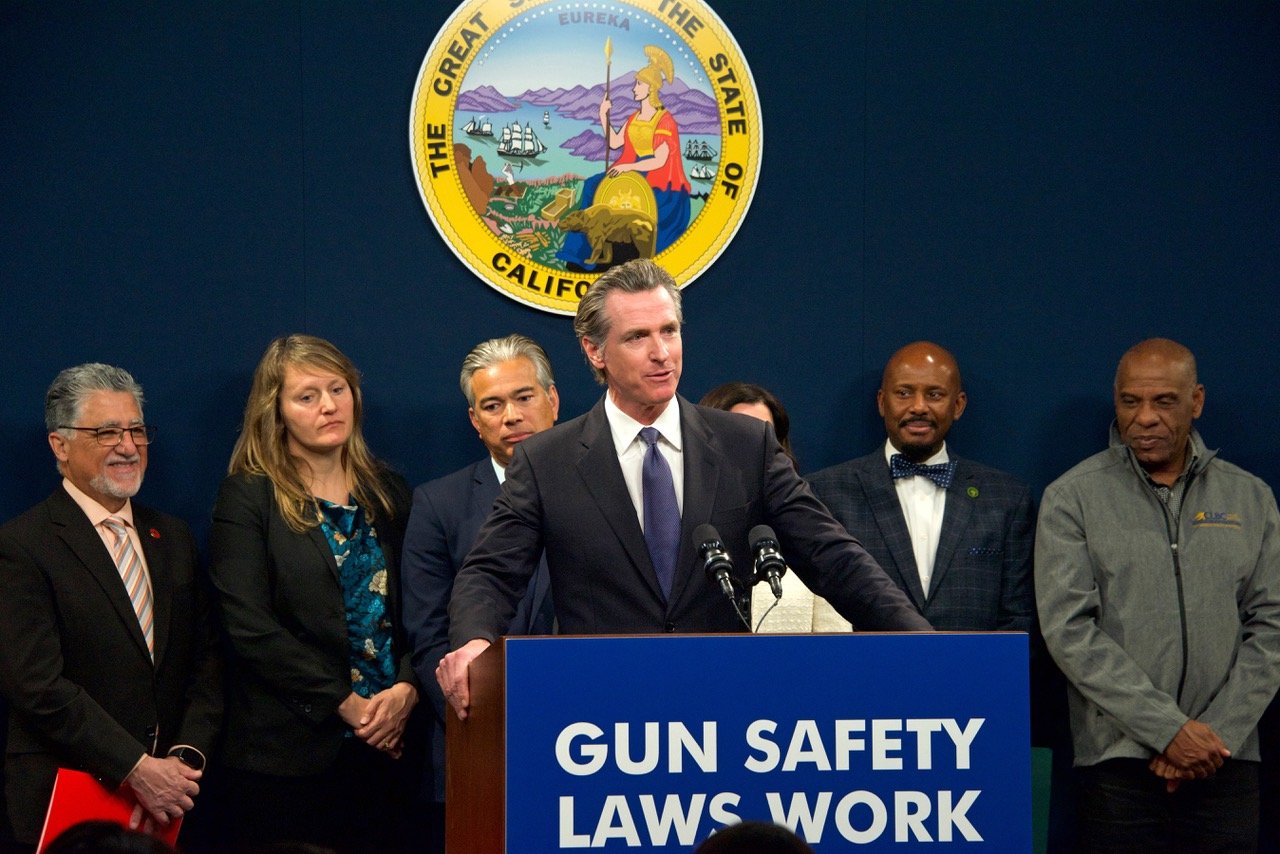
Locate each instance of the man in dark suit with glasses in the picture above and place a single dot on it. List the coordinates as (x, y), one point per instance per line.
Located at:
(107, 656)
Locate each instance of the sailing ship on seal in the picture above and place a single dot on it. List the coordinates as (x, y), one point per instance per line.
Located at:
(520, 142)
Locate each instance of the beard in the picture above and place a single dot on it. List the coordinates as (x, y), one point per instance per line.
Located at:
(915, 449)
(116, 489)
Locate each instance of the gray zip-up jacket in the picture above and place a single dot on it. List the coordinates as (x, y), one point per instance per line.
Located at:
(1155, 619)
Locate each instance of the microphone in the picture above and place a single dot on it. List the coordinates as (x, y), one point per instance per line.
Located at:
(715, 560)
(769, 564)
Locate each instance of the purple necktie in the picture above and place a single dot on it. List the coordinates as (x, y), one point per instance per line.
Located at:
(661, 513)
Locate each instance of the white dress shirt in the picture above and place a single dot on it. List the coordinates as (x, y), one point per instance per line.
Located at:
(923, 503)
(631, 449)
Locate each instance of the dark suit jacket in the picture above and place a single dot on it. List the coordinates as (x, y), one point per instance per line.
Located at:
(447, 515)
(82, 690)
(565, 492)
(982, 570)
(283, 611)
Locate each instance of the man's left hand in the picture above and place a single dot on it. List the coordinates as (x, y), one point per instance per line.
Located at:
(1170, 773)
(166, 788)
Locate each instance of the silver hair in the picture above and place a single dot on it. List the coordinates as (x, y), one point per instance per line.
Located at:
(634, 277)
(72, 386)
(486, 354)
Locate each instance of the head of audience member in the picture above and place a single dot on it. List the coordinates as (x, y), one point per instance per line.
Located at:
(920, 396)
(93, 413)
(304, 411)
(628, 324)
(105, 837)
(754, 837)
(756, 401)
(1157, 396)
(511, 393)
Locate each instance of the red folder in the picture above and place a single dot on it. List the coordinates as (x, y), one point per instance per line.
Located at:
(78, 797)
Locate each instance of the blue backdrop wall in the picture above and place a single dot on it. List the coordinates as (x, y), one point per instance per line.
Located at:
(1036, 186)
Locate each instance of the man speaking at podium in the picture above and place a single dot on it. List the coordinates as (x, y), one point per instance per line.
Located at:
(614, 497)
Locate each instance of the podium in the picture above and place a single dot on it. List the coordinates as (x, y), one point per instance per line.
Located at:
(649, 743)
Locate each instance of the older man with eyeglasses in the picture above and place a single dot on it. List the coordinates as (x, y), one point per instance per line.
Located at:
(107, 657)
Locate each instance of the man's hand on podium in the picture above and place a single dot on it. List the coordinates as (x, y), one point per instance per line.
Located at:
(453, 674)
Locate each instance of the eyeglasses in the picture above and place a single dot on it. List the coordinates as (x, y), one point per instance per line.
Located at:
(111, 436)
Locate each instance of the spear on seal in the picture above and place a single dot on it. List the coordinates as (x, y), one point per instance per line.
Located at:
(608, 124)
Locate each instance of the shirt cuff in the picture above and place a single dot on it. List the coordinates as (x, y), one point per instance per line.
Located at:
(135, 766)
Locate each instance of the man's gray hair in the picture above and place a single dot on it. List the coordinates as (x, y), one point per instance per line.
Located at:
(486, 354)
(634, 277)
(69, 389)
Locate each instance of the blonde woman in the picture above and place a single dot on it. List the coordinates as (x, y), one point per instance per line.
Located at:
(303, 554)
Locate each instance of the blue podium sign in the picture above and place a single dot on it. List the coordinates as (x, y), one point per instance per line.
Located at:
(867, 742)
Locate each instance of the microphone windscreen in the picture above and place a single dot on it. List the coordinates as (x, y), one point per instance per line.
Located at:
(704, 533)
(758, 533)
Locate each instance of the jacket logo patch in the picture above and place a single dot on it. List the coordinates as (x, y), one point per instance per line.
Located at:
(1210, 519)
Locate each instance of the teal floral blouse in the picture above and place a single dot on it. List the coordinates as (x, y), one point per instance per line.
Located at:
(362, 568)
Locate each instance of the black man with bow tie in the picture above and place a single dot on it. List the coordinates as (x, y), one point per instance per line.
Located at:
(955, 535)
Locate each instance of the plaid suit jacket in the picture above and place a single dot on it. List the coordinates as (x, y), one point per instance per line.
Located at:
(982, 576)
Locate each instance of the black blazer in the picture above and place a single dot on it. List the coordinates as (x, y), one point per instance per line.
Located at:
(565, 492)
(83, 693)
(282, 609)
(982, 569)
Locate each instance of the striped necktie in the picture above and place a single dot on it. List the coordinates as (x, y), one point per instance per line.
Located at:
(136, 584)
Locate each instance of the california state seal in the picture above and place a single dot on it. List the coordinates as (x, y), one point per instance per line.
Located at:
(552, 140)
